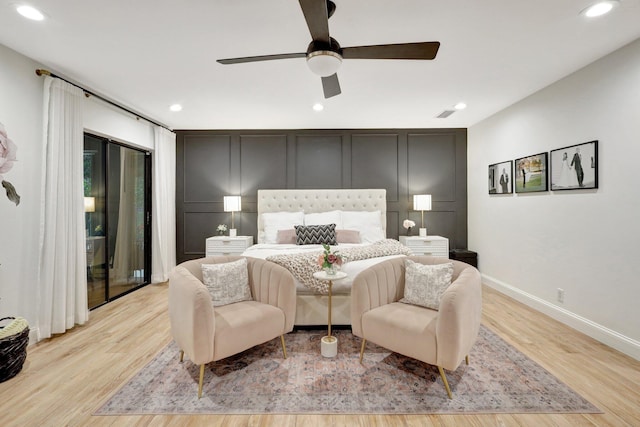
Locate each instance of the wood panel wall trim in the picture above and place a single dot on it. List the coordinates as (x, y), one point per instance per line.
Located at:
(231, 162)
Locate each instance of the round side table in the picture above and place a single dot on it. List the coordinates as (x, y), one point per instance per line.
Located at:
(329, 343)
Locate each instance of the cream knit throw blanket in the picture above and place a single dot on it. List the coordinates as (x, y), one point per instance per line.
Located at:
(302, 266)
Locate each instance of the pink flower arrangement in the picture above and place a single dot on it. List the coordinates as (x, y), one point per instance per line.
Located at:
(328, 259)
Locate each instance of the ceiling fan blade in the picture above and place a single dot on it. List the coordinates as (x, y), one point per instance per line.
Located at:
(317, 17)
(331, 86)
(422, 50)
(261, 58)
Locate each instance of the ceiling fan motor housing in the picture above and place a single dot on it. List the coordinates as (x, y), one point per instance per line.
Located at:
(324, 59)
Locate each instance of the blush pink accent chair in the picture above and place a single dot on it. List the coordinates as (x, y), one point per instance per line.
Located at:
(438, 337)
(207, 333)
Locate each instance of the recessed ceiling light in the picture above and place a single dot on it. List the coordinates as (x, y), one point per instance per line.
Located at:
(318, 107)
(599, 9)
(176, 107)
(460, 106)
(30, 12)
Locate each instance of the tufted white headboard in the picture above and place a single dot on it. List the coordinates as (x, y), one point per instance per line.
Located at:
(313, 201)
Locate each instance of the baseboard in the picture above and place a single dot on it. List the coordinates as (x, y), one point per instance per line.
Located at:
(596, 331)
(33, 336)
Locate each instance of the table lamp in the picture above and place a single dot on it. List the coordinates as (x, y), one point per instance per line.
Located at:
(232, 204)
(89, 207)
(422, 202)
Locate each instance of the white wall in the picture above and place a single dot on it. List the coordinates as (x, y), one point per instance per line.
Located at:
(21, 113)
(586, 242)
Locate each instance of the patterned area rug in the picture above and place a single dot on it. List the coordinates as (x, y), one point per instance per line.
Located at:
(500, 379)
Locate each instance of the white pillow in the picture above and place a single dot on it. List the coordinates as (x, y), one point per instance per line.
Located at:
(227, 282)
(323, 218)
(274, 221)
(424, 284)
(368, 223)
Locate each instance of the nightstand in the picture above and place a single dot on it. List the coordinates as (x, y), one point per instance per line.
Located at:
(428, 245)
(225, 245)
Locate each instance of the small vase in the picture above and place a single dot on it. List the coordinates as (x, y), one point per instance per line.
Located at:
(331, 271)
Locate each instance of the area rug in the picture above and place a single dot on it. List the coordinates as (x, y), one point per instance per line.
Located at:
(499, 379)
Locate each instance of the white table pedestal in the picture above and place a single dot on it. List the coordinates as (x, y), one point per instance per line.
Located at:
(329, 346)
(329, 343)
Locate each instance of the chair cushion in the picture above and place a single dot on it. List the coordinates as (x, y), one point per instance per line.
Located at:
(424, 284)
(406, 329)
(227, 282)
(243, 325)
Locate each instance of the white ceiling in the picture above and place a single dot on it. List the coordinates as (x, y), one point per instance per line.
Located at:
(149, 54)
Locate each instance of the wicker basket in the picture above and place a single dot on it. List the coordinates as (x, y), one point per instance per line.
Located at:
(14, 338)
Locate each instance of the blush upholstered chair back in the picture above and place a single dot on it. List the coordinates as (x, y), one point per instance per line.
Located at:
(441, 337)
(206, 333)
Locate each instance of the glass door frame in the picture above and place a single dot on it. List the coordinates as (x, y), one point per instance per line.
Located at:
(107, 143)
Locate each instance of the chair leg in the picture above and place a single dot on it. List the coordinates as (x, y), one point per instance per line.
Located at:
(201, 381)
(466, 359)
(444, 380)
(364, 342)
(181, 355)
(284, 347)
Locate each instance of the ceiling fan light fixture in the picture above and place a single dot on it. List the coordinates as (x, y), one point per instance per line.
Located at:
(324, 63)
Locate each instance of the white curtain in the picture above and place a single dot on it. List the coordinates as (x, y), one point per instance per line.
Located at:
(163, 211)
(62, 273)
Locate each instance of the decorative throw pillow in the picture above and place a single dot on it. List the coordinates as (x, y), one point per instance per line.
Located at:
(274, 221)
(323, 218)
(227, 282)
(316, 234)
(368, 223)
(425, 284)
(347, 236)
(286, 237)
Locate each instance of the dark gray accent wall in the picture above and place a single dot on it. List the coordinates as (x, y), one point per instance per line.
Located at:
(213, 164)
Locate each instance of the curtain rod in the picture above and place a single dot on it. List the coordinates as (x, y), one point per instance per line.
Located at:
(88, 93)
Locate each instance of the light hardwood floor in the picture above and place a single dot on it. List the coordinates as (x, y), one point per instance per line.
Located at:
(65, 379)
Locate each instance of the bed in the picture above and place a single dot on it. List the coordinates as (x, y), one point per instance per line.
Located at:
(362, 210)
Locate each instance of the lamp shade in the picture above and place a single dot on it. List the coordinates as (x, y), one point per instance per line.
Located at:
(422, 202)
(89, 204)
(232, 203)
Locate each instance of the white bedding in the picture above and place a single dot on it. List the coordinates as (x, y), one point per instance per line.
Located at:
(312, 308)
(353, 268)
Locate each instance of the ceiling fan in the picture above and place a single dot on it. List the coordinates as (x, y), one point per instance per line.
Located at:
(324, 54)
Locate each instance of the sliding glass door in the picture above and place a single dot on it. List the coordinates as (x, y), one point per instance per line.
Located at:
(118, 206)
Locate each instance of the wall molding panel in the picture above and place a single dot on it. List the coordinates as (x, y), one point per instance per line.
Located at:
(215, 163)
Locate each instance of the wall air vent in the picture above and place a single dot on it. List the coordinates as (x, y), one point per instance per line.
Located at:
(445, 114)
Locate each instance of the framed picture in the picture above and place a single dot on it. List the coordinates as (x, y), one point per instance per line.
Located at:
(500, 181)
(575, 167)
(531, 173)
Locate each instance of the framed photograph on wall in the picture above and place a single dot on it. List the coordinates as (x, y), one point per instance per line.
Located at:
(500, 181)
(531, 173)
(575, 167)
